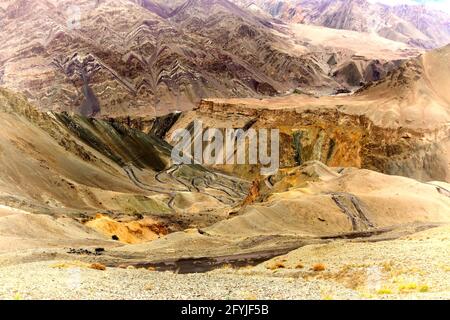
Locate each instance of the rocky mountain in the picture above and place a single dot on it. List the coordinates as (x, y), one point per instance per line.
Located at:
(91, 196)
(141, 58)
(432, 23)
(398, 125)
(71, 166)
(287, 11)
(417, 25)
(83, 183)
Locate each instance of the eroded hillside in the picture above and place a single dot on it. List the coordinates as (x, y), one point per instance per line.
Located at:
(399, 125)
(122, 58)
(70, 166)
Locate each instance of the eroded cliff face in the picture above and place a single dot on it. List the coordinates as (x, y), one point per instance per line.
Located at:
(141, 59)
(70, 165)
(399, 125)
(334, 138)
(416, 25)
(157, 126)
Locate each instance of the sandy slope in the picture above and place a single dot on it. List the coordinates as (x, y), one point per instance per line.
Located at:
(305, 205)
(374, 46)
(308, 204)
(298, 204)
(24, 231)
(56, 166)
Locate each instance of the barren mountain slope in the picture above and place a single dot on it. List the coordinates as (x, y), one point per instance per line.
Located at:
(78, 168)
(65, 170)
(416, 25)
(310, 200)
(434, 24)
(353, 234)
(288, 11)
(399, 125)
(136, 58)
(308, 204)
(129, 57)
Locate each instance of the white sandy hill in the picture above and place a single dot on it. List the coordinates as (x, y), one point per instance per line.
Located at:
(20, 230)
(314, 200)
(373, 46)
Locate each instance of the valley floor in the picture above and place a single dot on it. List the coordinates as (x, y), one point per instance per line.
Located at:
(412, 267)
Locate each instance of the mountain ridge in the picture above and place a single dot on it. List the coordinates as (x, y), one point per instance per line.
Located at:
(145, 58)
(417, 25)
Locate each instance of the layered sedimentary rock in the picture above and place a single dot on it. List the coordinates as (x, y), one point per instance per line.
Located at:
(417, 25)
(103, 185)
(72, 166)
(398, 125)
(145, 58)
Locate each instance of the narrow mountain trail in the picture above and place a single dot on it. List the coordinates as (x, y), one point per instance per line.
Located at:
(230, 197)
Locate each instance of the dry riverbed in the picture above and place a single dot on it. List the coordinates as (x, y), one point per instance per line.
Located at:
(413, 267)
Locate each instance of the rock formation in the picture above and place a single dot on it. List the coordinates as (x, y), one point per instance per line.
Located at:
(398, 125)
(417, 25)
(148, 58)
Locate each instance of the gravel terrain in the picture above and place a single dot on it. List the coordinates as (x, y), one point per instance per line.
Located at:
(416, 266)
(45, 280)
(412, 267)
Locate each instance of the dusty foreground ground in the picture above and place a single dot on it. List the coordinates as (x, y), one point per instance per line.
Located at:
(413, 267)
